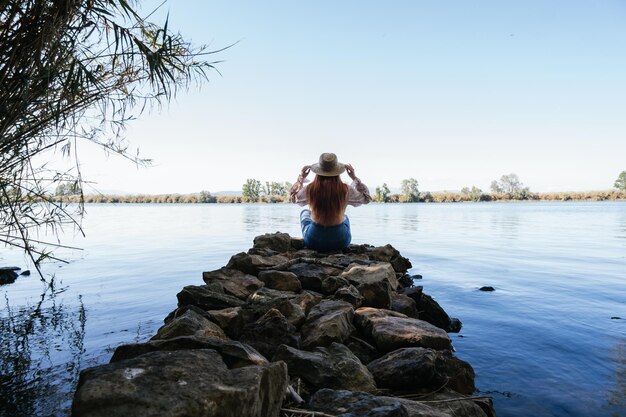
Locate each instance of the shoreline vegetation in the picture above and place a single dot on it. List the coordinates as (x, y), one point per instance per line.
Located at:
(426, 197)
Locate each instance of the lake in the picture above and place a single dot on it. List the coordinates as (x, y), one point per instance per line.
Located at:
(549, 341)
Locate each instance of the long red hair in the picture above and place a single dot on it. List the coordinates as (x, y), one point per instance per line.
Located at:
(328, 198)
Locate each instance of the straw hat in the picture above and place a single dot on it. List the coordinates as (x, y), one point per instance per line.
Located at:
(328, 166)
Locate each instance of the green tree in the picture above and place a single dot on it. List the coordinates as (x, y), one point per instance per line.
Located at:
(206, 197)
(410, 192)
(474, 194)
(74, 70)
(512, 186)
(251, 190)
(620, 182)
(381, 194)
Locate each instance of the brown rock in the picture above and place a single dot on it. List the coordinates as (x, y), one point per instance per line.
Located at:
(279, 242)
(329, 321)
(206, 298)
(269, 332)
(234, 282)
(190, 324)
(281, 280)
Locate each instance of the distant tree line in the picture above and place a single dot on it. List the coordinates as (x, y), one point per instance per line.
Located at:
(507, 188)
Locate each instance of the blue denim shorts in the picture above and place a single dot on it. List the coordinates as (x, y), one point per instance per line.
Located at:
(324, 238)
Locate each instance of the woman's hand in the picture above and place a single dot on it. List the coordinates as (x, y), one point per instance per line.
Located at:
(305, 171)
(350, 172)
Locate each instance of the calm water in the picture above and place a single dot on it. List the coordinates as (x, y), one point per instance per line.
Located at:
(543, 344)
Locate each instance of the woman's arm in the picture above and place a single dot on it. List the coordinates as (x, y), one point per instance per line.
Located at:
(297, 194)
(358, 193)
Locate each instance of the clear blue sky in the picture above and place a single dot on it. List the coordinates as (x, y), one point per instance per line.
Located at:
(452, 93)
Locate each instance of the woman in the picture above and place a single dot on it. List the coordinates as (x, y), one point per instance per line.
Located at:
(326, 227)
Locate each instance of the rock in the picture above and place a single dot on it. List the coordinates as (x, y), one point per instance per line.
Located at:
(25, 273)
(8, 274)
(231, 320)
(269, 332)
(307, 300)
(446, 404)
(206, 298)
(404, 280)
(374, 282)
(234, 282)
(361, 274)
(329, 321)
(281, 280)
(390, 331)
(310, 275)
(332, 283)
(458, 373)
(286, 302)
(265, 295)
(429, 310)
(415, 293)
(182, 310)
(190, 324)
(486, 288)
(180, 383)
(404, 304)
(234, 354)
(362, 349)
(327, 367)
(390, 254)
(455, 325)
(297, 243)
(405, 369)
(344, 260)
(355, 404)
(252, 264)
(280, 242)
(350, 295)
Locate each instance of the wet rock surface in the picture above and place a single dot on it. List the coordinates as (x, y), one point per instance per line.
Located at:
(348, 329)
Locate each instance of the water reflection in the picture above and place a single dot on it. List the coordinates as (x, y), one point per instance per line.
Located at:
(507, 222)
(40, 345)
(617, 396)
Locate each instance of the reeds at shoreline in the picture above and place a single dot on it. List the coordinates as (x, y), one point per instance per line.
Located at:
(425, 197)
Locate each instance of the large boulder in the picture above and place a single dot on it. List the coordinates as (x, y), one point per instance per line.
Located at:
(329, 321)
(281, 280)
(406, 369)
(269, 332)
(360, 404)
(404, 304)
(234, 282)
(231, 320)
(458, 373)
(334, 366)
(234, 354)
(252, 264)
(184, 383)
(206, 298)
(375, 282)
(190, 323)
(279, 242)
(350, 295)
(391, 331)
(311, 276)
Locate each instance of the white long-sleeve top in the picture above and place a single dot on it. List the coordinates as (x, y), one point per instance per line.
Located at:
(358, 193)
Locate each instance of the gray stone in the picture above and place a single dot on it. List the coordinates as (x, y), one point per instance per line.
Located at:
(355, 404)
(269, 332)
(190, 324)
(390, 331)
(252, 264)
(231, 320)
(184, 383)
(310, 275)
(206, 298)
(350, 295)
(234, 282)
(404, 304)
(406, 369)
(281, 280)
(279, 242)
(234, 354)
(329, 321)
(332, 283)
(327, 367)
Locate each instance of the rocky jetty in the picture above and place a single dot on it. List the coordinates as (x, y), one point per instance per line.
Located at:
(282, 330)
